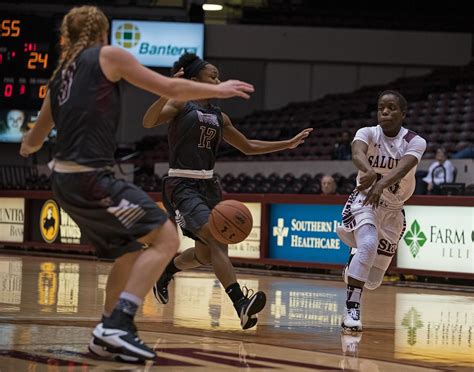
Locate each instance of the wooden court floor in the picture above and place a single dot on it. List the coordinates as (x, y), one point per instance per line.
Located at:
(48, 307)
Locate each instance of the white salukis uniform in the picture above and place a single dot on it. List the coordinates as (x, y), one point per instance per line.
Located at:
(384, 154)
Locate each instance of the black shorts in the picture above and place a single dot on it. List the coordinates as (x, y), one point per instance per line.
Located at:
(112, 213)
(189, 201)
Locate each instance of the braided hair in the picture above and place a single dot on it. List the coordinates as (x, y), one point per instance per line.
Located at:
(81, 27)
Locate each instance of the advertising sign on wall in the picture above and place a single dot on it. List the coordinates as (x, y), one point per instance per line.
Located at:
(307, 233)
(158, 44)
(12, 219)
(438, 239)
(51, 224)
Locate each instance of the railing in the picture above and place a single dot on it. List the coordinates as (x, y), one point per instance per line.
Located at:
(289, 231)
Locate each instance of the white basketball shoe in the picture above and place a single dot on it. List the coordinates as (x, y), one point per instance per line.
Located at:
(351, 321)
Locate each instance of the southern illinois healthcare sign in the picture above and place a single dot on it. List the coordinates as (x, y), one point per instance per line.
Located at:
(438, 239)
(158, 44)
(306, 233)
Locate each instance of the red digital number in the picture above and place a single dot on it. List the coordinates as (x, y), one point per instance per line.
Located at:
(22, 89)
(30, 47)
(8, 91)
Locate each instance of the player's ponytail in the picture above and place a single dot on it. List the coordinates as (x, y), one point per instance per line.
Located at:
(81, 27)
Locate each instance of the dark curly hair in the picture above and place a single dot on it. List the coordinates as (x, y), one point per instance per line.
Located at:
(190, 63)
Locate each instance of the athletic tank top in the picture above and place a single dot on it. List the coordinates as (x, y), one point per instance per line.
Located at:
(86, 108)
(194, 136)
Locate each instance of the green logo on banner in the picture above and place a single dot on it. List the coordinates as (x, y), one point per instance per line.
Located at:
(127, 35)
(415, 238)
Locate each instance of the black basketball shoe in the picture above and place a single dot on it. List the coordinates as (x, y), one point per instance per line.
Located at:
(160, 289)
(119, 334)
(115, 353)
(248, 307)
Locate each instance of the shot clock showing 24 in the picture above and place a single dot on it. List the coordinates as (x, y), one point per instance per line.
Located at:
(28, 55)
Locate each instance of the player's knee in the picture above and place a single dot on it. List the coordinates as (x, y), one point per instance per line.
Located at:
(170, 236)
(165, 238)
(203, 258)
(205, 235)
(367, 242)
(202, 254)
(218, 248)
(368, 254)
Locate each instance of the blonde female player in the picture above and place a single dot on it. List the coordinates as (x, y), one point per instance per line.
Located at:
(117, 217)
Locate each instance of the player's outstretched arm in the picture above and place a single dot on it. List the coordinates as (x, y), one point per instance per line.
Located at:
(256, 147)
(34, 138)
(119, 64)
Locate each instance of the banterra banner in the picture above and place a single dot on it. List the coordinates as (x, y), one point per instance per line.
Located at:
(158, 44)
(306, 233)
(438, 239)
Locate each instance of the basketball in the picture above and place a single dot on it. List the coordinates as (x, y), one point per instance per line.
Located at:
(230, 222)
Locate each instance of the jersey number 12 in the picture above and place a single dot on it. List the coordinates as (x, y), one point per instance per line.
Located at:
(207, 135)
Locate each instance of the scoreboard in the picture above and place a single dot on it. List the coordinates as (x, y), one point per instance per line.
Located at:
(28, 56)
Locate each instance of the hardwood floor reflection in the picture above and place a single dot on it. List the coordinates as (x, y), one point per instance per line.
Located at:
(48, 307)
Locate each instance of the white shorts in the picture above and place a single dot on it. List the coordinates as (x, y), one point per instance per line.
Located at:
(390, 224)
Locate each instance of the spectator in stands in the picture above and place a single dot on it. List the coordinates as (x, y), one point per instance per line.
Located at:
(342, 149)
(441, 171)
(328, 185)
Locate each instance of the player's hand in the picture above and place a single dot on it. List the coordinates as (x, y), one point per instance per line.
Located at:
(180, 73)
(25, 149)
(366, 180)
(373, 196)
(234, 88)
(299, 138)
